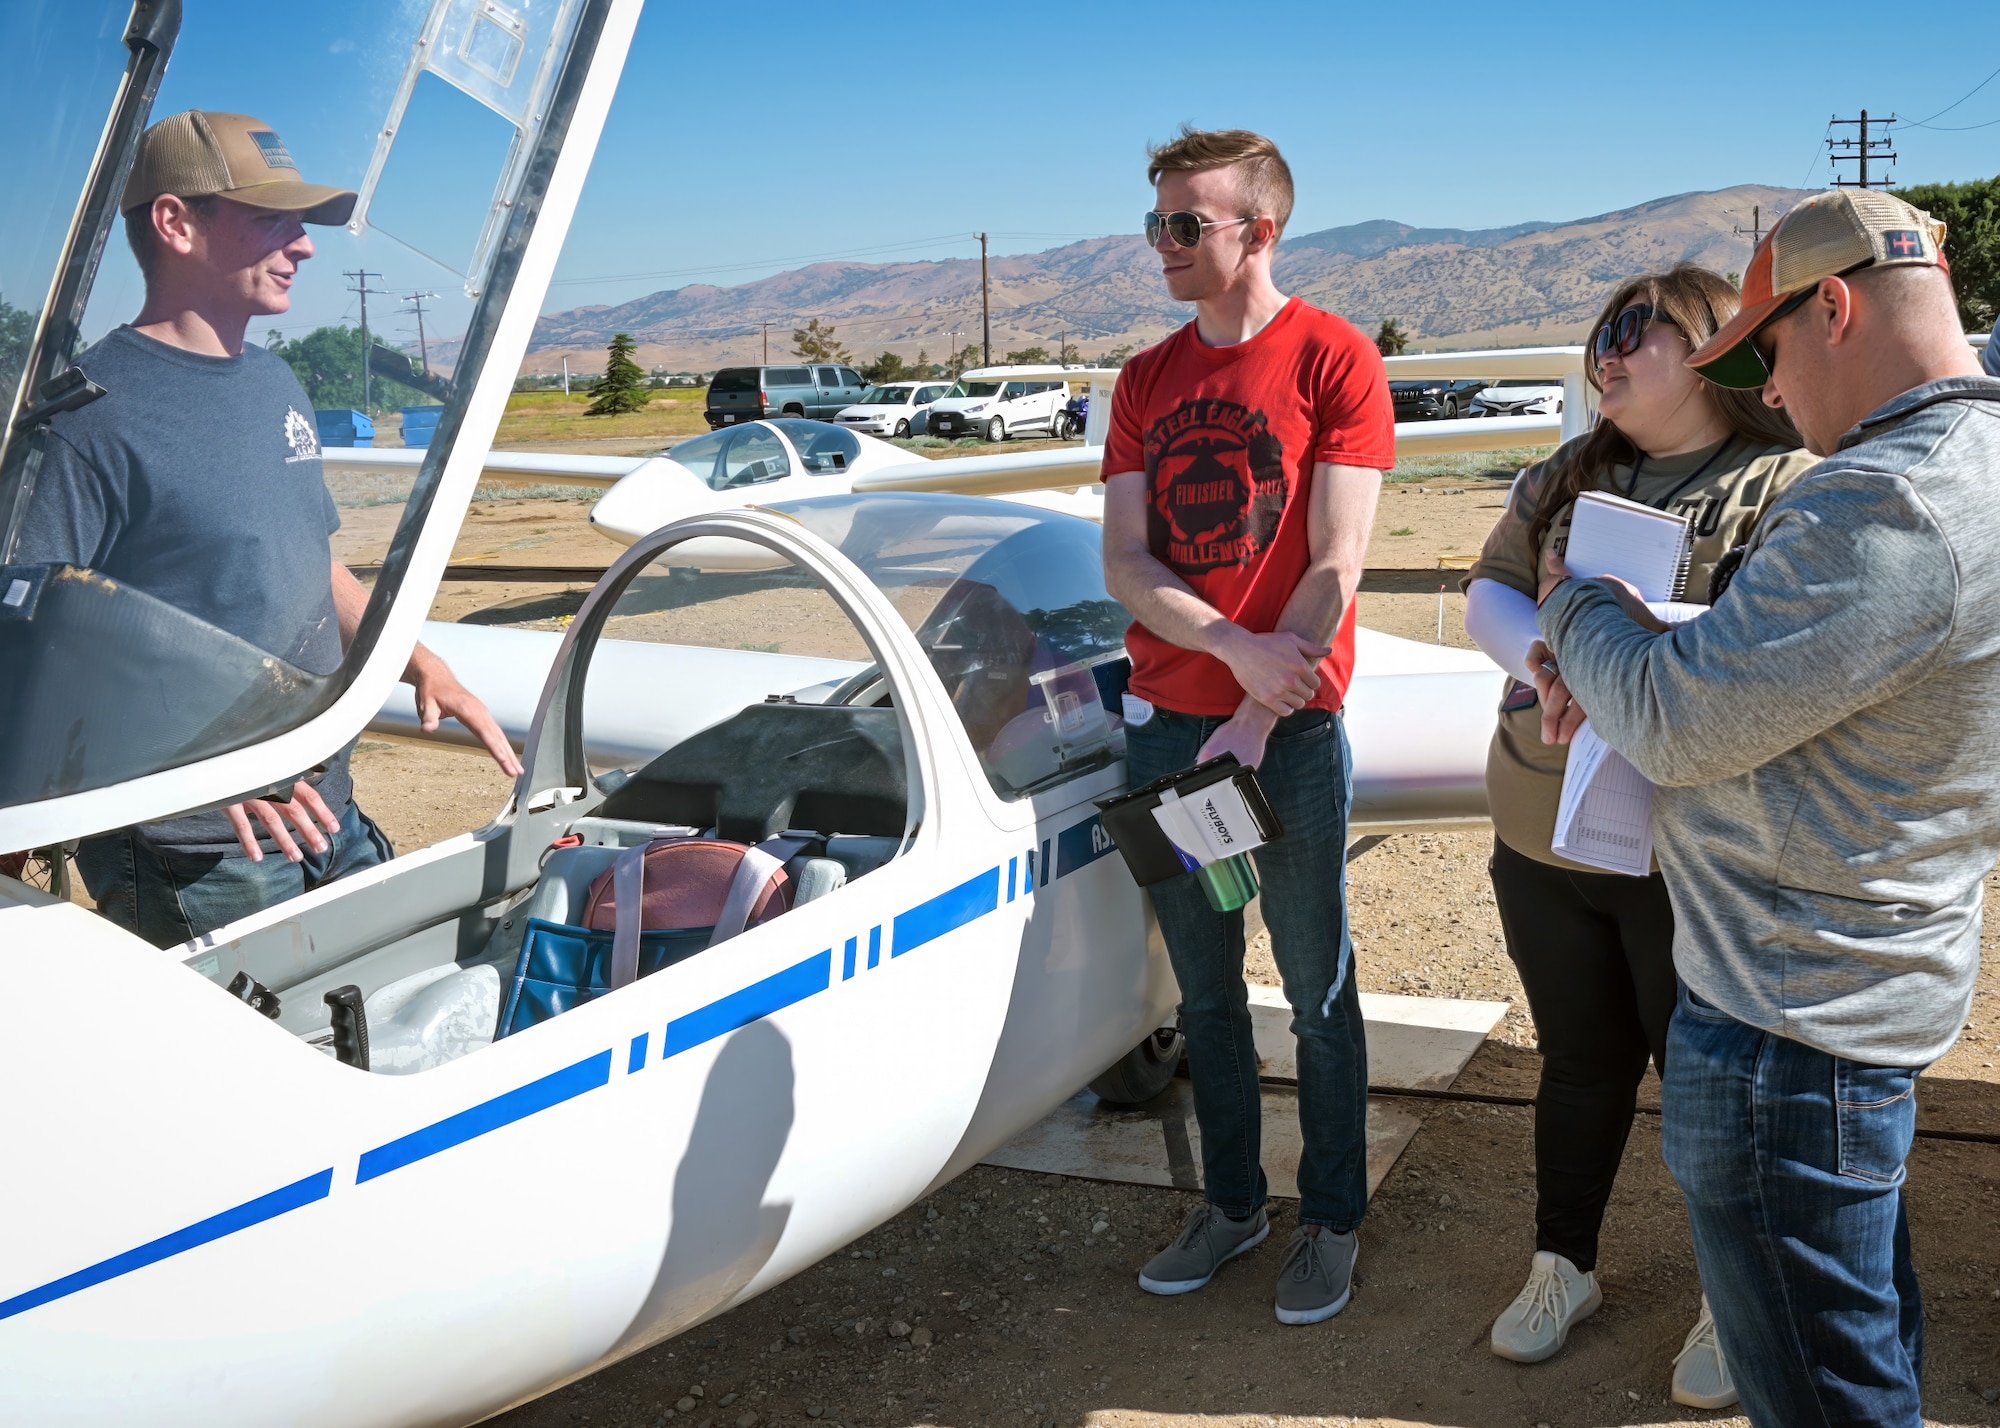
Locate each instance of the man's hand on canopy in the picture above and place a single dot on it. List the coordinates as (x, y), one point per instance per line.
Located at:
(307, 812)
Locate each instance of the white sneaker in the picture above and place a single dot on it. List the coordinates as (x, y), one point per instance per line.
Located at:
(1537, 1323)
(1701, 1375)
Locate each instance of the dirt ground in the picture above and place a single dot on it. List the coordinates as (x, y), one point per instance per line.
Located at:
(1009, 1298)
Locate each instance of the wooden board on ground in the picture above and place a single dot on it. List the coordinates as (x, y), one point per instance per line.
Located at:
(1414, 1043)
(1159, 1143)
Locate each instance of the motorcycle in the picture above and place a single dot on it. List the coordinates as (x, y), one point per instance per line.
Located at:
(1074, 418)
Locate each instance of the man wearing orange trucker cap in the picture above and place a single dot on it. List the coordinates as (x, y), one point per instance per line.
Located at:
(197, 479)
(1828, 802)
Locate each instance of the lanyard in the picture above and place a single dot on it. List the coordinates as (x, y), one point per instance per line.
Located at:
(1700, 471)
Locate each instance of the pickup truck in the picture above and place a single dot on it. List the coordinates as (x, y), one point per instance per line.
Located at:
(819, 389)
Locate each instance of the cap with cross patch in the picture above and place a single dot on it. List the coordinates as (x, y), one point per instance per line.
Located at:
(1830, 235)
(202, 155)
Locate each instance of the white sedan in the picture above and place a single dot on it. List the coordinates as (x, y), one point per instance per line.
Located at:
(1520, 396)
(893, 408)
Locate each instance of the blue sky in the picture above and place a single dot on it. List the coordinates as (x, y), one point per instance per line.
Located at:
(746, 140)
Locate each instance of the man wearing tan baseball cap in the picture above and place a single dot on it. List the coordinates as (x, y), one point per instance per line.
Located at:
(196, 477)
(232, 156)
(1827, 803)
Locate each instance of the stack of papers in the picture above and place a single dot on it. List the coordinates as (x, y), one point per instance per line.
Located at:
(1605, 816)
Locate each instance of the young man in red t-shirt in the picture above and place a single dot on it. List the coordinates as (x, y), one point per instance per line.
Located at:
(1245, 457)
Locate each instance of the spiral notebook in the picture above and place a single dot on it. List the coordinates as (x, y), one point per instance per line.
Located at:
(1609, 535)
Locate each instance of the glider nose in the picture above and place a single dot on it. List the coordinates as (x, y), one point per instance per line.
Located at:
(648, 498)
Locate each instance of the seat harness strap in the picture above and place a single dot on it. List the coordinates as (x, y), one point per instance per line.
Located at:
(628, 886)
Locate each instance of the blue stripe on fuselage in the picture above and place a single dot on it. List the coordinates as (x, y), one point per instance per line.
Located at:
(251, 1212)
(928, 921)
(503, 1110)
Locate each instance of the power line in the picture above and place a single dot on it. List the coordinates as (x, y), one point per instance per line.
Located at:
(1926, 123)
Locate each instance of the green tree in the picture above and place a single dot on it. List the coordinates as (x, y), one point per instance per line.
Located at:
(815, 342)
(1391, 340)
(1734, 279)
(923, 366)
(964, 359)
(622, 388)
(886, 368)
(328, 363)
(1971, 214)
(1118, 356)
(17, 334)
(1070, 356)
(1028, 357)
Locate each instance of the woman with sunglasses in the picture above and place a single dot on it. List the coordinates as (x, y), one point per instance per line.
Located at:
(1595, 949)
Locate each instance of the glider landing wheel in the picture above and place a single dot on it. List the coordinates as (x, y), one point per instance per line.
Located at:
(996, 430)
(902, 428)
(1144, 1071)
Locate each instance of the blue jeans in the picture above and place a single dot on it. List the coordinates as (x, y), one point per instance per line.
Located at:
(1306, 776)
(1792, 1164)
(168, 896)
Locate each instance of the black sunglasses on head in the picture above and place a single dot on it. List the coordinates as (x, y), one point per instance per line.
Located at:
(1625, 332)
(1187, 229)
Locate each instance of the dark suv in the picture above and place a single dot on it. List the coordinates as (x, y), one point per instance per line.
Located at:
(821, 389)
(1434, 400)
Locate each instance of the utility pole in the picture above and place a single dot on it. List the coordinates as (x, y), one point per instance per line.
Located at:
(362, 277)
(423, 350)
(985, 309)
(767, 347)
(1858, 150)
(1755, 232)
(565, 376)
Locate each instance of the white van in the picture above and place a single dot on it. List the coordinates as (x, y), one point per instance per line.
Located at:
(995, 403)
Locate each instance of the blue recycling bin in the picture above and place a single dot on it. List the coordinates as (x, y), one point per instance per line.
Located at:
(345, 428)
(420, 425)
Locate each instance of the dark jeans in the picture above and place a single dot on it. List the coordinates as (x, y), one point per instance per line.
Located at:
(168, 896)
(1304, 876)
(1596, 956)
(1792, 1164)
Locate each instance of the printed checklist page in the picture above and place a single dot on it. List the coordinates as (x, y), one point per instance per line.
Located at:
(1605, 816)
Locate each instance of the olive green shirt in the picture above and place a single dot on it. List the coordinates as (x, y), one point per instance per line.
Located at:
(1722, 489)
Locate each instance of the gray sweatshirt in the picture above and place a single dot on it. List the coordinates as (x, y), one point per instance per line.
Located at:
(1824, 740)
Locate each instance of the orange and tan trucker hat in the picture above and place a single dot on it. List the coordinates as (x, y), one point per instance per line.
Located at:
(232, 156)
(1830, 235)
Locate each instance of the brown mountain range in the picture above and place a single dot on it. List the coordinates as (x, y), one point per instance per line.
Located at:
(1530, 284)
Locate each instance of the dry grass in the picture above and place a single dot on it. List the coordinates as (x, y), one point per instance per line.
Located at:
(550, 421)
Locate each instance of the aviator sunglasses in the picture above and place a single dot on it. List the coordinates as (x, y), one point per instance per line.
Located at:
(1625, 332)
(1185, 228)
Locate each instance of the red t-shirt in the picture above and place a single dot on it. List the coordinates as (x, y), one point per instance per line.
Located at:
(1228, 438)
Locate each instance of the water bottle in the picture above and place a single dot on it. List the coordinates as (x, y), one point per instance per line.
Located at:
(1229, 884)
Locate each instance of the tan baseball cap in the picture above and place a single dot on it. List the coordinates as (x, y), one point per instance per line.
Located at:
(198, 155)
(1828, 236)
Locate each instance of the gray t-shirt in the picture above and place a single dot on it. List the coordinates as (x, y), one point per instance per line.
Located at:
(197, 480)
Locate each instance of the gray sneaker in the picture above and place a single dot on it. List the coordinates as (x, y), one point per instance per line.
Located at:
(1207, 1238)
(1317, 1278)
